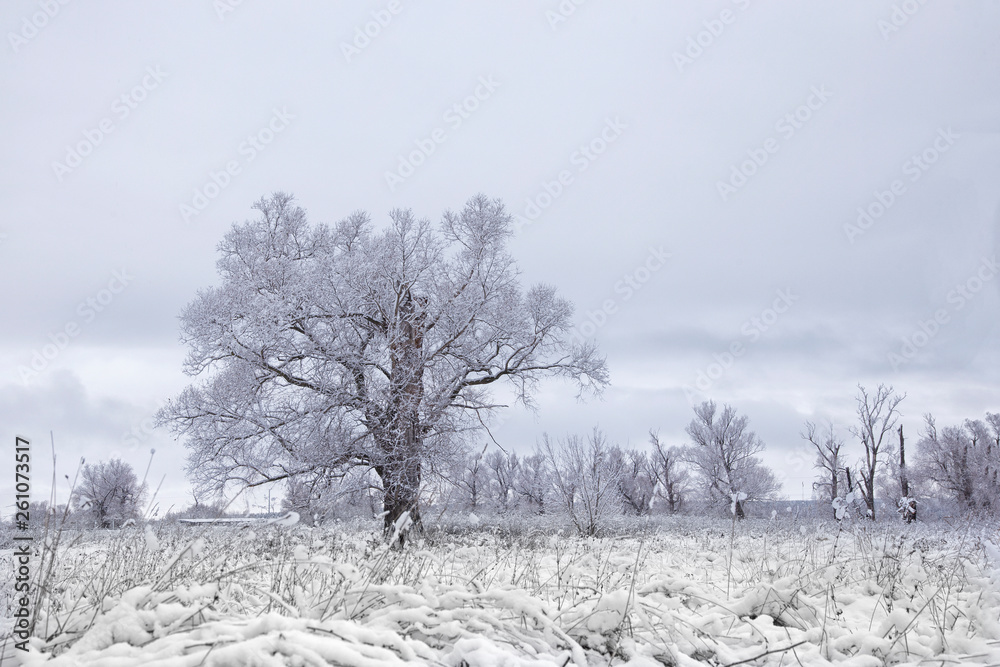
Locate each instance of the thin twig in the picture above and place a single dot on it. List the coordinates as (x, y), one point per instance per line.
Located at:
(766, 653)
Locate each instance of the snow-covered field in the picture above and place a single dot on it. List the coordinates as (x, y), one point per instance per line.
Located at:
(686, 591)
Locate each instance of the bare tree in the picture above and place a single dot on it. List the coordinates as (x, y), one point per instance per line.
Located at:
(877, 415)
(304, 495)
(908, 504)
(199, 509)
(828, 461)
(109, 493)
(319, 497)
(667, 466)
(470, 476)
(724, 457)
(888, 482)
(533, 481)
(960, 461)
(983, 438)
(585, 477)
(991, 465)
(636, 483)
(330, 347)
(502, 468)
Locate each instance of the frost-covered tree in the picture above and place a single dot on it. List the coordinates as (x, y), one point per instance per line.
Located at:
(829, 462)
(212, 509)
(533, 482)
(109, 493)
(907, 503)
(992, 469)
(724, 458)
(317, 498)
(877, 416)
(585, 475)
(636, 483)
(990, 478)
(896, 482)
(326, 347)
(502, 468)
(984, 438)
(672, 476)
(962, 461)
(470, 478)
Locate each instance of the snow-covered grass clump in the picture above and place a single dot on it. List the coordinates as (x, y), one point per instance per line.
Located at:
(680, 593)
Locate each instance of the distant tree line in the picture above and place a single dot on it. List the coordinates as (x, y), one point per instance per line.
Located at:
(956, 465)
(587, 479)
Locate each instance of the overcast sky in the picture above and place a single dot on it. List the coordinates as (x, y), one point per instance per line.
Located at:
(812, 188)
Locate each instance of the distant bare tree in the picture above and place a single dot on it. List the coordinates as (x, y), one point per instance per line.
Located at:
(636, 483)
(961, 461)
(877, 415)
(110, 493)
(908, 505)
(828, 460)
(672, 477)
(321, 496)
(502, 468)
(303, 496)
(984, 438)
(724, 457)
(471, 479)
(991, 469)
(585, 477)
(533, 481)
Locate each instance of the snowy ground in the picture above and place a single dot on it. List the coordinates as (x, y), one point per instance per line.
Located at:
(684, 592)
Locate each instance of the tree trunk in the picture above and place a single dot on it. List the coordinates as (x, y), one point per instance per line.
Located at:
(867, 488)
(834, 490)
(401, 494)
(910, 505)
(402, 445)
(966, 479)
